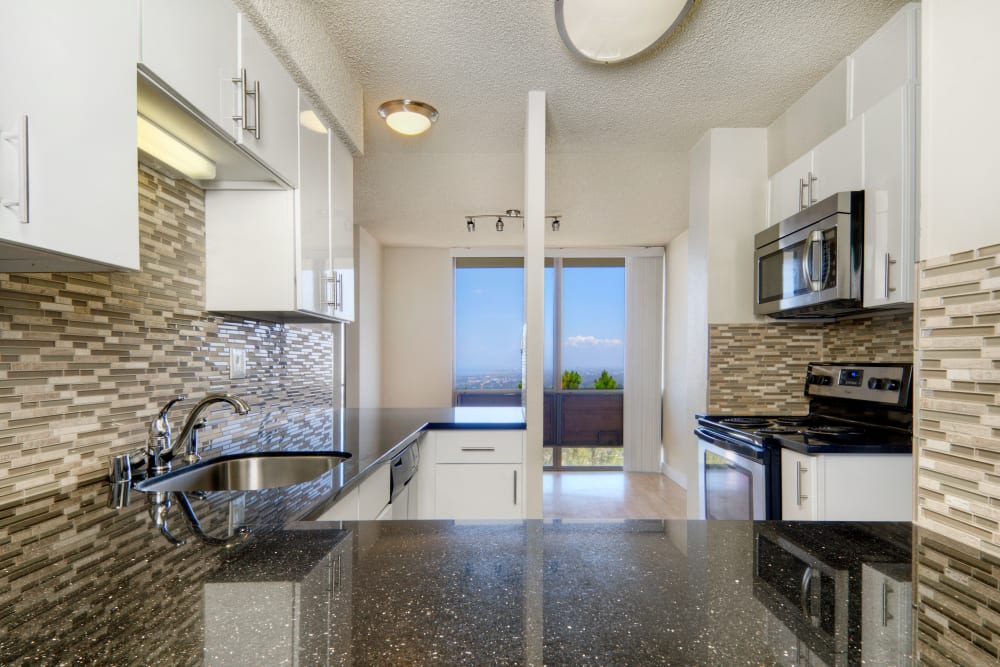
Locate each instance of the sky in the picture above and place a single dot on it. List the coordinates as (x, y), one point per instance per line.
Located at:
(489, 314)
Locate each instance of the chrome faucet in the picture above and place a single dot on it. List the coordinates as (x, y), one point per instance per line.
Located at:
(160, 450)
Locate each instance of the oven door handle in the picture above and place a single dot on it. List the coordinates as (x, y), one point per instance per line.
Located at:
(815, 237)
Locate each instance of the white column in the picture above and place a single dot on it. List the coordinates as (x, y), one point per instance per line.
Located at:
(534, 296)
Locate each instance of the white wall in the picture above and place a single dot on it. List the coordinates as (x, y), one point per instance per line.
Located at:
(364, 336)
(417, 328)
(960, 133)
(811, 119)
(678, 454)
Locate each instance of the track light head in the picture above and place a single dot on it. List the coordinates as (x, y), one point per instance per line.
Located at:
(555, 224)
(499, 224)
(470, 224)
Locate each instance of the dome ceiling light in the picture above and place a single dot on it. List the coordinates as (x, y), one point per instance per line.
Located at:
(613, 31)
(408, 116)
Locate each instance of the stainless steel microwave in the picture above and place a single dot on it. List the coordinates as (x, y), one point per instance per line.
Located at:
(808, 266)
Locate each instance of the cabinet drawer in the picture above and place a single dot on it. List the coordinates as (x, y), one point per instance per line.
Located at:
(479, 446)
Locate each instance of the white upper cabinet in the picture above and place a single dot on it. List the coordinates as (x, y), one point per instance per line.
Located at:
(268, 103)
(838, 164)
(887, 60)
(207, 53)
(790, 189)
(190, 46)
(342, 164)
(68, 149)
(316, 282)
(891, 198)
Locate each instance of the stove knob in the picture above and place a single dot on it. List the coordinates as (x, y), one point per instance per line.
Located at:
(892, 385)
(825, 379)
(876, 383)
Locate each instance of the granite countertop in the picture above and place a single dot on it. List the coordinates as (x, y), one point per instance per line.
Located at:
(525, 592)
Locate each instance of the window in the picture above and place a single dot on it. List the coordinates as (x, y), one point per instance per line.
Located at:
(489, 316)
(584, 350)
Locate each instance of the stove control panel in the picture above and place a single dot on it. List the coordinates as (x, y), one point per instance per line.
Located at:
(887, 384)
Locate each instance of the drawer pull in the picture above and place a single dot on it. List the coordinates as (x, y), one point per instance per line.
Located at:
(479, 449)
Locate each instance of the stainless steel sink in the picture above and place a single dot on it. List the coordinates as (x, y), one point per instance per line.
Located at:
(246, 472)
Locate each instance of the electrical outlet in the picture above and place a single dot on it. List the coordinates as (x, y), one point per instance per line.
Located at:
(237, 363)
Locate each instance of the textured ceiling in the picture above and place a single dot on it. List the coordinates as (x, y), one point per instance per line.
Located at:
(731, 64)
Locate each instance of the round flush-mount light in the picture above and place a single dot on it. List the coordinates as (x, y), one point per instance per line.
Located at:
(613, 31)
(408, 116)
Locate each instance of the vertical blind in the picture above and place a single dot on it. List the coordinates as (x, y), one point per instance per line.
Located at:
(643, 363)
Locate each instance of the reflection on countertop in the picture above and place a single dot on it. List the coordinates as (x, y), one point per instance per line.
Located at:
(558, 592)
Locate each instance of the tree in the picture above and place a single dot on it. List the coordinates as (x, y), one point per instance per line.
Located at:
(571, 380)
(605, 382)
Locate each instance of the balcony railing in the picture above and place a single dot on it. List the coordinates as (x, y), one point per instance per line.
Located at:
(582, 426)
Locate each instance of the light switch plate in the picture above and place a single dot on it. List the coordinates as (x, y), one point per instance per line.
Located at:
(237, 363)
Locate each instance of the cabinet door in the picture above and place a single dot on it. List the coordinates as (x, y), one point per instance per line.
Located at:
(478, 491)
(799, 489)
(838, 164)
(191, 45)
(373, 494)
(270, 104)
(890, 199)
(345, 509)
(886, 614)
(888, 59)
(787, 197)
(315, 264)
(343, 228)
(68, 72)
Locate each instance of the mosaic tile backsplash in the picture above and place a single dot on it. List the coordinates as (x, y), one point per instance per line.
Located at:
(759, 368)
(958, 415)
(87, 359)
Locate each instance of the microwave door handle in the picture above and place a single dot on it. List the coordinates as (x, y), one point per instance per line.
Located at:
(807, 256)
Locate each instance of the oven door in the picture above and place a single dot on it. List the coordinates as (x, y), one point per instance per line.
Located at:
(732, 486)
(811, 266)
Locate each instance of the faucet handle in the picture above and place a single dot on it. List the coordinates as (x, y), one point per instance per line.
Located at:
(161, 425)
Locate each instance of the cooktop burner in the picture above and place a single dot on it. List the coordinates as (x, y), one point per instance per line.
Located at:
(777, 430)
(745, 421)
(830, 429)
(792, 421)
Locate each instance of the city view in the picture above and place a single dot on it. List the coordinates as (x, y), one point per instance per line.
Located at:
(510, 379)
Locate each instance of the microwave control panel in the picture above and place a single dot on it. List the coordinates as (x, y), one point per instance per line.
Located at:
(888, 384)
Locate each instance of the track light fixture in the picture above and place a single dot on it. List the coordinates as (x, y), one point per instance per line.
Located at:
(509, 214)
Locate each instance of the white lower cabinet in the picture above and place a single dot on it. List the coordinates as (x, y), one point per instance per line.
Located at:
(470, 474)
(846, 487)
(886, 614)
(345, 509)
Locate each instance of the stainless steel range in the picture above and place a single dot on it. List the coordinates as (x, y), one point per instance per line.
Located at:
(853, 408)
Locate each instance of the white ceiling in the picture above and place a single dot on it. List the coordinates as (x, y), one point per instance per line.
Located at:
(731, 64)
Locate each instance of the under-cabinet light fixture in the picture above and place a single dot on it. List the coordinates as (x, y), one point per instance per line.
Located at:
(408, 116)
(509, 214)
(171, 151)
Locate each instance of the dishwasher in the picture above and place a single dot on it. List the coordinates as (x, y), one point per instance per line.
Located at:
(403, 467)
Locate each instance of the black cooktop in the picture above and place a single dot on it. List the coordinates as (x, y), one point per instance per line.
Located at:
(809, 434)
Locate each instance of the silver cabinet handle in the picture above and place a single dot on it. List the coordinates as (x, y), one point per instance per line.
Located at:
(332, 281)
(340, 291)
(21, 139)
(241, 81)
(812, 180)
(479, 449)
(256, 110)
(802, 188)
(515, 487)
(799, 469)
(889, 261)
(804, 592)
